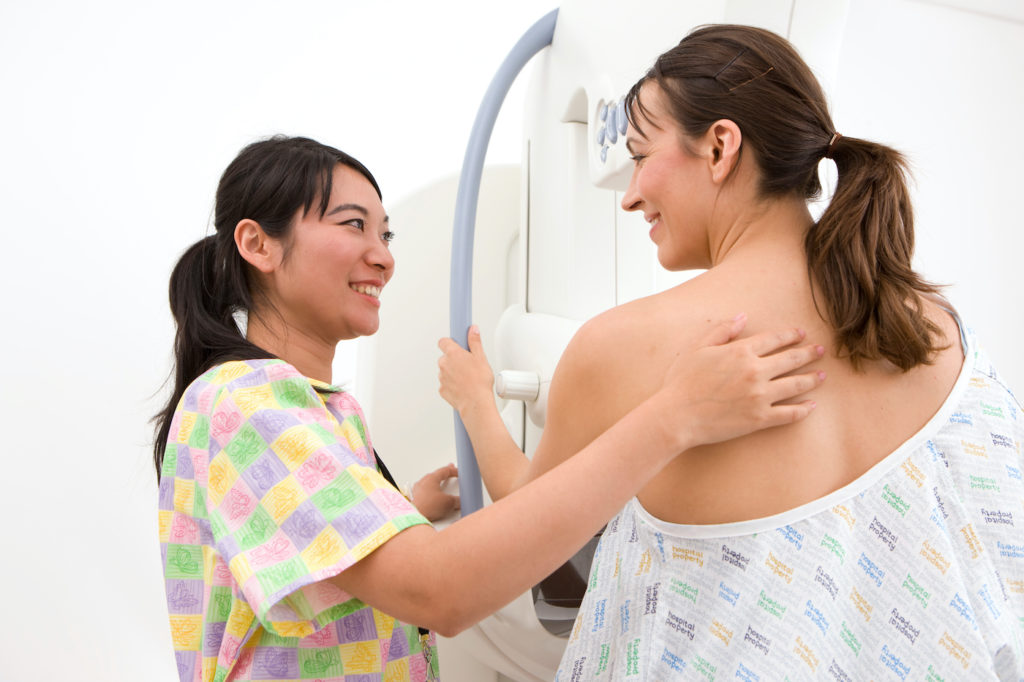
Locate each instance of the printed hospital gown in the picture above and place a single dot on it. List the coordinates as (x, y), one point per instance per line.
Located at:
(269, 486)
(915, 571)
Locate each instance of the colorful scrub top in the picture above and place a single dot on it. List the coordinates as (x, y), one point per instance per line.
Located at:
(269, 486)
(915, 571)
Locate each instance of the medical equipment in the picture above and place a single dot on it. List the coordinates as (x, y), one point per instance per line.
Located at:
(897, 71)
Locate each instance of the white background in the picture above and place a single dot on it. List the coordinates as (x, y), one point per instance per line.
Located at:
(118, 118)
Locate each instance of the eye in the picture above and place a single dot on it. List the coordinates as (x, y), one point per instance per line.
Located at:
(357, 223)
(387, 237)
(638, 158)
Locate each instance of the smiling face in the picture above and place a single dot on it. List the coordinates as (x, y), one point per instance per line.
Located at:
(332, 269)
(671, 184)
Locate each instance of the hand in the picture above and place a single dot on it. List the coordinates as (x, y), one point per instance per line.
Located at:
(428, 498)
(731, 388)
(465, 376)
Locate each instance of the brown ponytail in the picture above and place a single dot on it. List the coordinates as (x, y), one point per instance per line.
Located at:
(859, 254)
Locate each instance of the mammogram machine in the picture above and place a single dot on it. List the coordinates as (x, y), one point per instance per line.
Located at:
(540, 248)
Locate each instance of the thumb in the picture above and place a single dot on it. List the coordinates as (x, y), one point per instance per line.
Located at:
(724, 332)
(476, 346)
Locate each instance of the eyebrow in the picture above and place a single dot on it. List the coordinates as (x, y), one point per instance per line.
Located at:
(353, 207)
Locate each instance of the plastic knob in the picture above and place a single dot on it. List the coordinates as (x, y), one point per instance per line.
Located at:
(620, 117)
(512, 384)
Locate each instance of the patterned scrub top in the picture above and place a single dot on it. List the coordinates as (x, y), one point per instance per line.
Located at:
(269, 486)
(914, 571)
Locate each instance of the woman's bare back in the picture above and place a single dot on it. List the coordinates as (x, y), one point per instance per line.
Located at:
(619, 359)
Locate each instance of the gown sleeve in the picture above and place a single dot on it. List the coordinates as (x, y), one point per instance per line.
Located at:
(293, 497)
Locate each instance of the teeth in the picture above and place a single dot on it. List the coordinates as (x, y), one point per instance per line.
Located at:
(366, 289)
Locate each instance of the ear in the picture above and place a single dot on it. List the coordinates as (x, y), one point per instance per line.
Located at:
(723, 139)
(258, 249)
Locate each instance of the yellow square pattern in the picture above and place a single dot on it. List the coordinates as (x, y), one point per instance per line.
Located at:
(361, 658)
(188, 422)
(209, 668)
(372, 542)
(184, 495)
(222, 475)
(292, 629)
(327, 549)
(241, 569)
(283, 499)
(252, 399)
(397, 671)
(352, 436)
(385, 625)
(240, 619)
(368, 479)
(230, 371)
(186, 632)
(295, 445)
(164, 520)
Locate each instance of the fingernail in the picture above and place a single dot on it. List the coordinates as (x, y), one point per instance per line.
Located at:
(813, 404)
(821, 376)
(802, 333)
(739, 317)
(820, 350)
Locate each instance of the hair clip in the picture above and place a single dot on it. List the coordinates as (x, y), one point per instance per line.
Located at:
(765, 73)
(738, 55)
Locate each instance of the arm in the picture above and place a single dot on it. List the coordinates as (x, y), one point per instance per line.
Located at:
(451, 579)
(466, 382)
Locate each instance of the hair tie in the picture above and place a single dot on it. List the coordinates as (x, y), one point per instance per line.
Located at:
(831, 145)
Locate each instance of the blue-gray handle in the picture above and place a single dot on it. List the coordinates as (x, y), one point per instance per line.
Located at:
(461, 295)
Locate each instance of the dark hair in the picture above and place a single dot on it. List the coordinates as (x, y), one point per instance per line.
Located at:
(859, 252)
(269, 182)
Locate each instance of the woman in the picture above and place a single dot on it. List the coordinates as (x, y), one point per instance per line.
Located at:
(878, 537)
(287, 555)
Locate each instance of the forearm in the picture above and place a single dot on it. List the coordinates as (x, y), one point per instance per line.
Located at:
(502, 464)
(487, 559)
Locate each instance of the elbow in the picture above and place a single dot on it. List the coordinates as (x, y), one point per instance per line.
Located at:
(449, 620)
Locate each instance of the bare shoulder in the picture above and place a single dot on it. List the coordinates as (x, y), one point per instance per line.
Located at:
(618, 358)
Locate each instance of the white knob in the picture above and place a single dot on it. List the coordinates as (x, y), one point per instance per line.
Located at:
(515, 385)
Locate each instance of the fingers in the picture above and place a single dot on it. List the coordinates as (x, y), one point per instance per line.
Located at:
(780, 415)
(790, 387)
(726, 331)
(766, 343)
(792, 359)
(444, 473)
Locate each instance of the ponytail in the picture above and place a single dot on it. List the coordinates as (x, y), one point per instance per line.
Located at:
(859, 256)
(207, 288)
(859, 253)
(271, 182)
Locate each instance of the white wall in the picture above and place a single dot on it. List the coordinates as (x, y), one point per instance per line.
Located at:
(118, 118)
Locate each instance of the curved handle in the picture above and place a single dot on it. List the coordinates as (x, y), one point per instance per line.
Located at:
(461, 295)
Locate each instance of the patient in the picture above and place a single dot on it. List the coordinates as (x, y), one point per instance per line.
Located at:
(877, 536)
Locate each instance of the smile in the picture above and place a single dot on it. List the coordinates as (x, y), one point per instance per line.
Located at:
(367, 289)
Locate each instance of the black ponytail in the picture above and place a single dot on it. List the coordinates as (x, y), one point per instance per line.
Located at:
(270, 181)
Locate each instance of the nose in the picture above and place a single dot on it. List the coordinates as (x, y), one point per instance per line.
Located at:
(380, 257)
(631, 200)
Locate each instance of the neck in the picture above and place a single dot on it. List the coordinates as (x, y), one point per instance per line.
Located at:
(310, 354)
(776, 224)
